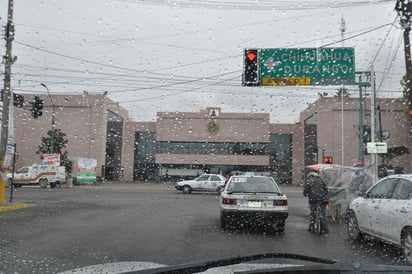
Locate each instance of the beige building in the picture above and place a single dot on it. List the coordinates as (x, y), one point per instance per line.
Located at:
(331, 128)
(93, 125)
(184, 144)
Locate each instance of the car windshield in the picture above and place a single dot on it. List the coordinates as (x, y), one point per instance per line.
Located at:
(252, 184)
(146, 133)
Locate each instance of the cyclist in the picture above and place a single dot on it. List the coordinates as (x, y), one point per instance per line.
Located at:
(317, 191)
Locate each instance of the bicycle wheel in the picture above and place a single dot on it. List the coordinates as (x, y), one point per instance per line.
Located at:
(317, 225)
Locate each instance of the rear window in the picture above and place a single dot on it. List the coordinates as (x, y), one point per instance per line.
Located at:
(252, 184)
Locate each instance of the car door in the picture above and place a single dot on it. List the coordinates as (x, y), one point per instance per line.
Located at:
(201, 182)
(214, 182)
(398, 211)
(369, 212)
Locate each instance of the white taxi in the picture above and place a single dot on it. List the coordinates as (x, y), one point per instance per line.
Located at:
(253, 200)
(205, 182)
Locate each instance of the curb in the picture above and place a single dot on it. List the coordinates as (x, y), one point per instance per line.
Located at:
(10, 207)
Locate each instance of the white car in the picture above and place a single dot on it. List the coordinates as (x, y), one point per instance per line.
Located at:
(385, 212)
(205, 182)
(253, 200)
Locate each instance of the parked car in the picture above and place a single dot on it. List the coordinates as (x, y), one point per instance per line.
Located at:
(385, 212)
(205, 182)
(253, 200)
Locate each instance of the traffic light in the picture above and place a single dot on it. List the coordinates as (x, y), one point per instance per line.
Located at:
(366, 134)
(327, 160)
(37, 106)
(18, 100)
(250, 68)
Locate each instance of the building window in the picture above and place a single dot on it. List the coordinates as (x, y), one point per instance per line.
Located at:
(213, 148)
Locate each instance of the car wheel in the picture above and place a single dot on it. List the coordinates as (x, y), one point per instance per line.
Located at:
(43, 183)
(406, 245)
(52, 185)
(352, 226)
(187, 189)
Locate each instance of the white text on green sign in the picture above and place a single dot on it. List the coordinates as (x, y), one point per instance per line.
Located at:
(323, 66)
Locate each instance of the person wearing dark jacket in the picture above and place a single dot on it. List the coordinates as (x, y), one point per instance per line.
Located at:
(317, 192)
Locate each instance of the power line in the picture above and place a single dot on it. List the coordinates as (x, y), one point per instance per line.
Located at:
(354, 36)
(262, 5)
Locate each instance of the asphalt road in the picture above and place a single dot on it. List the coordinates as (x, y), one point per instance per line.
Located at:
(66, 228)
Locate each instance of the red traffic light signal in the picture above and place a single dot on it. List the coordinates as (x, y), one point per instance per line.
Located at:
(328, 160)
(251, 55)
(250, 68)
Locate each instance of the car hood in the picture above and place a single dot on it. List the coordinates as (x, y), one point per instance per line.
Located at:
(241, 263)
(131, 267)
(185, 182)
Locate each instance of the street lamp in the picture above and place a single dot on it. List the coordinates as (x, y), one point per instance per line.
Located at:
(52, 120)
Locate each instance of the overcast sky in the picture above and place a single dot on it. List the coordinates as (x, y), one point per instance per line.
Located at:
(154, 55)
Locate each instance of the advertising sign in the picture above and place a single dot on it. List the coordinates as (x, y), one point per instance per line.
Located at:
(86, 170)
(51, 159)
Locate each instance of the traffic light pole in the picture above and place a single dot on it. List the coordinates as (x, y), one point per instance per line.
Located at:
(52, 120)
(362, 86)
(361, 114)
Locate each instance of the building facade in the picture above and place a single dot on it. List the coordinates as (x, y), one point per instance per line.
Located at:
(212, 141)
(93, 124)
(331, 128)
(184, 144)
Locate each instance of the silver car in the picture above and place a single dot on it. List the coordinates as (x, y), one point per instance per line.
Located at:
(253, 200)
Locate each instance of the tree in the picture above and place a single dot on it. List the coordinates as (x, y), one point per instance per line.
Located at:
(59, 143)
(342, 92)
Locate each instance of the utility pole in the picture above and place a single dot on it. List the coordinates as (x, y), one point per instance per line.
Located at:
(404, 9)
(342, 29)
(8, 61)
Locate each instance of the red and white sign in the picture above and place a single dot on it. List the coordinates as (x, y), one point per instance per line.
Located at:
(357, 162)
(51, 159)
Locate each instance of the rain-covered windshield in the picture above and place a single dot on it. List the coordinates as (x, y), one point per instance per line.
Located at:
(128, 128)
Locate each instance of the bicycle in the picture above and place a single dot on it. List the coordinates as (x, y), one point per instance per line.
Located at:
(317, 225)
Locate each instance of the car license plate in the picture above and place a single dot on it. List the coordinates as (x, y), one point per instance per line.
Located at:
(255, 204)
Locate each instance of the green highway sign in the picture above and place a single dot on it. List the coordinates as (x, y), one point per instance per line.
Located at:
(306, 66)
